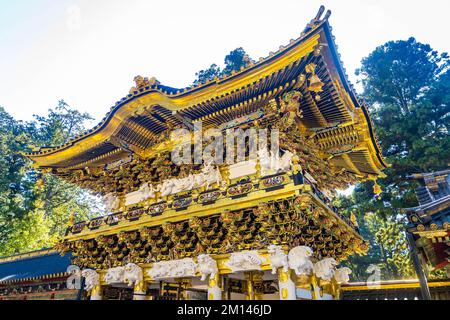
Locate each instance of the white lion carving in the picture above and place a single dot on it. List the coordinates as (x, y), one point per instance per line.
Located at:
(91, 279)
(245, 260)
(325, 268)
(133, 274)
(114, 275)
(207, 266)
(342, 275)
(278, 258)
(299, 260)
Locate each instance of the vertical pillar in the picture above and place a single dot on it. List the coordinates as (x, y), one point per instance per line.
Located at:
(315, 288)
(214, 288)
(335, 289)
(424, 289)
(250, 295)
(258, 280)
(286, 285)
(253, 277)
(140, 290)
(96, 292)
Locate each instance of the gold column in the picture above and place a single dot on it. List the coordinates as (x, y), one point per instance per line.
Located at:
(96, 292)
(215, 287)
(253, 277)
(315, 290)
(140, 290)
(286, 286)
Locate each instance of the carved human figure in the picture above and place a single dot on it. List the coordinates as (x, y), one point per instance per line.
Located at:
(166, 188)
(211, 175)
(278, 258)
(299, 260)
(272, 163)
(111, 202)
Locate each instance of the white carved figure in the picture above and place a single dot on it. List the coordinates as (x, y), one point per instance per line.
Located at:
(207, 266)
(173, 269)
(148, 191)
(325, 268)
(91, 279)
(133, 274)
(300, 261)
(271, 163)
(166, 188)
(285, 162)
(211, 175)
(342, 275)
(278, 258)
(181, 185)
(114, 275)
(111, 202)
(245, 260)
(198, 181)
(265, 162)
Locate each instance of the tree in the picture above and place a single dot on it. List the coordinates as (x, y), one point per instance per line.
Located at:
(206, 75)
(407, 86)
(234, 61)
(34, 207)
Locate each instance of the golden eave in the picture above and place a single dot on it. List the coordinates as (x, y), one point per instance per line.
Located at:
(145, 99)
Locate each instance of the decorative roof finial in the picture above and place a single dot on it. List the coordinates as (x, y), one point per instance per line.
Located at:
(142, 82)
(317, 19)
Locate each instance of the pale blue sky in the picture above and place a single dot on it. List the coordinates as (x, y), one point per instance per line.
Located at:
(88, 51)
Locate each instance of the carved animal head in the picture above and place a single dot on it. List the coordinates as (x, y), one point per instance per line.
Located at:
(274, 249)
(342, 275)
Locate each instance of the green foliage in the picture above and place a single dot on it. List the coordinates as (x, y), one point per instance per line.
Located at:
(234, 61)
(35, 207)
(407, 85)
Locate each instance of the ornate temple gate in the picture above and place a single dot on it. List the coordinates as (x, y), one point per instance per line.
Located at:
(245, 275)
(262, 227)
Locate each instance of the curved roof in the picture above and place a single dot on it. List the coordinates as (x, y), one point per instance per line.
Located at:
(150, 110)
(33, 265)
